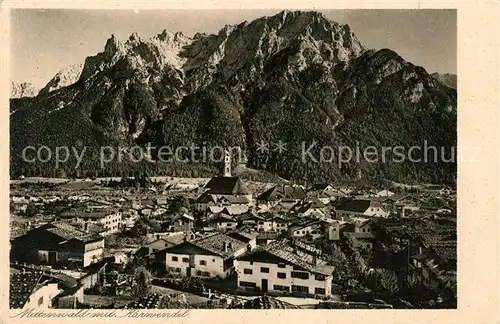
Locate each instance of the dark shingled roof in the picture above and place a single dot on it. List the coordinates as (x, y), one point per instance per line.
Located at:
(22, 285)
(294, 254)
(227, 186)
(213, 244)
(358, 205)
(284, 192)
(68, 232)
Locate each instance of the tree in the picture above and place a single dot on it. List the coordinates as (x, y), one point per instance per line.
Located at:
(141, 284)
(383, 280)
(31, 210)
(178, 203)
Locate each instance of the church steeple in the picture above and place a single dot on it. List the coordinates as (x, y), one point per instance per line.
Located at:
(227, 164)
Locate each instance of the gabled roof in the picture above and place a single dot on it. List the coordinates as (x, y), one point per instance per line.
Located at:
(315, 203)
(212, 244)
(231, 210)
(234, 210)
(282, 192)
(206, 197)
(222, 217)
(358, 205)
(286, 250)
(227, 186)
(249, 216)
(305, 224)
(243, 236)
(185, 216)
(68, 232)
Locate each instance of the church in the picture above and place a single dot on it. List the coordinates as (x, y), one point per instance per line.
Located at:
(225, 190)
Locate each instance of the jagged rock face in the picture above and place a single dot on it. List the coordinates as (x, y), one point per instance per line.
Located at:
(63, 79)
(447, 79)
(295, 77)
(22, 90)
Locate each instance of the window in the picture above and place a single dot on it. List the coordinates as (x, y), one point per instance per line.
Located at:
(363, 230)
(185, 259)
(177, 269)
(175, 258)
(247, 271)
(213, 260)
(300, 275)
(319, 291)
(281, 288)
(319, 277)
(281, 265)
(281, 275)
(206, 274)
(199, 273)
(247, 284)
(301, 289)
(264, 270)
(40, 301)
(203, 262)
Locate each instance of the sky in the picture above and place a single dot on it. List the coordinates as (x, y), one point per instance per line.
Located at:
(44, 42)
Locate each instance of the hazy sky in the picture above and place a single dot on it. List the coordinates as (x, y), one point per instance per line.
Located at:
(46, 41)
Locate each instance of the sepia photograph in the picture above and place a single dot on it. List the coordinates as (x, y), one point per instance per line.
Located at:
(233, 159)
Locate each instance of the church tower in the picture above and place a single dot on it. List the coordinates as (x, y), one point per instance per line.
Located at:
(227, 164)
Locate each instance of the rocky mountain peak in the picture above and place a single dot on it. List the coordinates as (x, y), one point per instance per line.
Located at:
(63, 79)
(113, 46)
(22, 90)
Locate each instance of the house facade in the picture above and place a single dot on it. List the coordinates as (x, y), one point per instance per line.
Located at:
(360, 208)
(282, 267)
(58, 243)
(110, 220)
(208, 257)
(29, 289)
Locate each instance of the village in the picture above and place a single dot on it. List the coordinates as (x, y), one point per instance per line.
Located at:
(230, 243)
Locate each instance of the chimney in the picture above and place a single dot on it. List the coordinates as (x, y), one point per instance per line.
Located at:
(249, 247)
(157, 236)
(229, 246)
(86, 227)
(224, 246)
(315, 258)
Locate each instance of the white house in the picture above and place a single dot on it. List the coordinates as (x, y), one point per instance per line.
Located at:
(110, 220)
(283, 266)
(209, 256)
(280, 224)
(31, 289)
(311, 230)
(360, 208)
(222, 222)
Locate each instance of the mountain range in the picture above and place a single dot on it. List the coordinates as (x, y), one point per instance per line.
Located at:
(295, 77)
